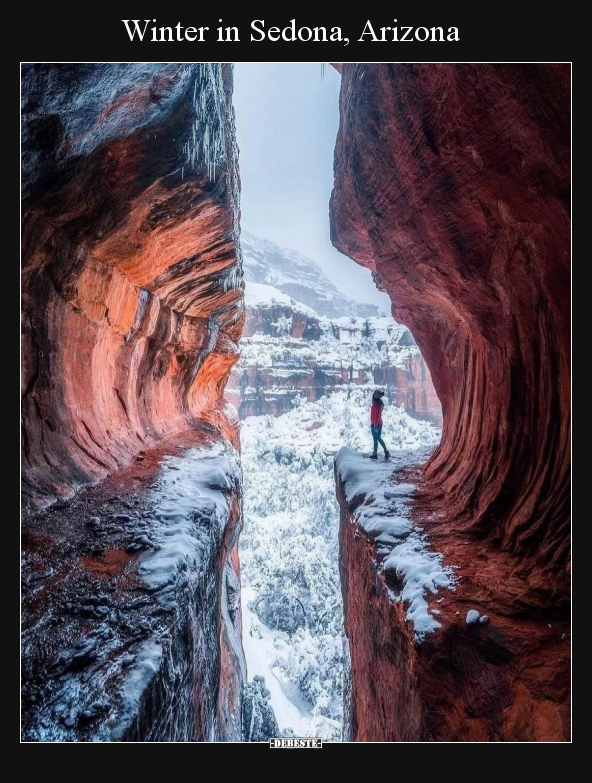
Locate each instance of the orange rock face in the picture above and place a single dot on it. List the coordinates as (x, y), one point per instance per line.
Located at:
(132, 297)
(452, 184)
(132, 310)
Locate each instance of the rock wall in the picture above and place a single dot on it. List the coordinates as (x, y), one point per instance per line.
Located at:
(503, 678)
(131, 287)
(452, 185)
(132, 310)
(131, 603)
(289, 352)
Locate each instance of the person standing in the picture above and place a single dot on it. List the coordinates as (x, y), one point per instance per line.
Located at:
(376, 424)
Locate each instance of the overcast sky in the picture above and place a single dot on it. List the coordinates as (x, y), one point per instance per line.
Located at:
(286, 121)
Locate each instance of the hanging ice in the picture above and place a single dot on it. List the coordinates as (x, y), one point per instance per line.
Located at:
(207, 144)
(232, 280)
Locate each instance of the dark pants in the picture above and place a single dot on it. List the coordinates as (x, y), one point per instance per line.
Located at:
(376, 433)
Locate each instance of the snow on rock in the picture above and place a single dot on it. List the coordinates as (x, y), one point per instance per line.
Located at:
(403, 547)
(261, 295)
(193, 496)
(359, 476)
(472, 617)
(297, 276)
(422, 572)
(144, 668)
(137, 610)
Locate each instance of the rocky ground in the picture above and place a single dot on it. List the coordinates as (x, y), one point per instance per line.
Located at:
(117, 610)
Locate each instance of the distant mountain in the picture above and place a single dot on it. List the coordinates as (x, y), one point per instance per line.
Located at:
(299, 277)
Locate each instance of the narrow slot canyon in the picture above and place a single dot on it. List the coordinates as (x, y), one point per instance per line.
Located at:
(208, 553)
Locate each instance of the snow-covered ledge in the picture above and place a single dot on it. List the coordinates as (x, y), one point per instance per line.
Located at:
(136, 598)
(402, 548)
(397, 597)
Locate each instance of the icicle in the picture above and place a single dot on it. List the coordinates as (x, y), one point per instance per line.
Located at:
(207, 145)
(232, 280)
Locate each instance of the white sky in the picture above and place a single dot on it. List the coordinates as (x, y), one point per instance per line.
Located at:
(286, 122)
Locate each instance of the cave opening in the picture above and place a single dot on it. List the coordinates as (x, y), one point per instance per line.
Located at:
(318, 340)
(133, 308)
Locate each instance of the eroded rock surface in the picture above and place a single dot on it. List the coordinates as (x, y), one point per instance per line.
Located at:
(131, 285)
(131, 603)
(442, 648)
(132, 310)
(452, 184)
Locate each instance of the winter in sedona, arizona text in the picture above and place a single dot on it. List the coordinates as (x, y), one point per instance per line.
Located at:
(148, 30)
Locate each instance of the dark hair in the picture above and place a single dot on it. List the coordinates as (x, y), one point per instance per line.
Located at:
(377, 396)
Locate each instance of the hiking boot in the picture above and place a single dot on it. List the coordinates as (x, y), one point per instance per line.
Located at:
(374, 456)
(387, 454)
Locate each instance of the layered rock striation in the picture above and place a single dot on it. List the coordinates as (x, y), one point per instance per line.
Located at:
(131, 286)
(289, 352)
(452, 185)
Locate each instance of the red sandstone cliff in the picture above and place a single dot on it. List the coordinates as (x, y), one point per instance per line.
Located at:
(131, 287)
(288, 351)
(132, 310)
(452, 184)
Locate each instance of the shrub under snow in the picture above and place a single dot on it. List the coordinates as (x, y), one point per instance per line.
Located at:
(289, 546)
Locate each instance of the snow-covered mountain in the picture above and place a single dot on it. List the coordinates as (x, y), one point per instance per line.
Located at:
(289, 351)
(299, 277)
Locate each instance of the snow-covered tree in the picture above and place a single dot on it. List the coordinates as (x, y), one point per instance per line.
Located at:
(289, 546)
(259, 723)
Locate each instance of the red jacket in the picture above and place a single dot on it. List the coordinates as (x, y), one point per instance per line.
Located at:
(376, 414)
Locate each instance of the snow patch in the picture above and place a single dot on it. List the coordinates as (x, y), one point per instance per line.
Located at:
(192, 498)
(145, 666)
(261, 295)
